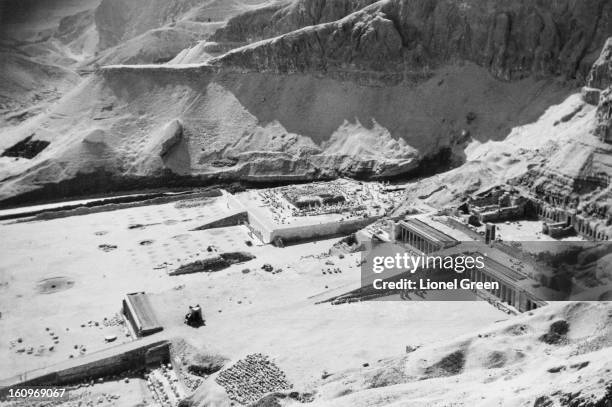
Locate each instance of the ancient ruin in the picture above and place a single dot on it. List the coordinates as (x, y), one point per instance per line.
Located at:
(265, 203)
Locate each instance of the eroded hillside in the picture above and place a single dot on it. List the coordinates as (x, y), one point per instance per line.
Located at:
(385, 89)
(512, 39)
(556, 356)
(258, 126)
(49, 47)
(563, 158)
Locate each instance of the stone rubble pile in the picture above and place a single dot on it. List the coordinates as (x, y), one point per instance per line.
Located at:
(352, 200)
(115, 320)
(334, 270)
(252, 378)
(164, 386)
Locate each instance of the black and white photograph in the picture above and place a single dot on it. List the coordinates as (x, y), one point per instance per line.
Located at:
(305, 203)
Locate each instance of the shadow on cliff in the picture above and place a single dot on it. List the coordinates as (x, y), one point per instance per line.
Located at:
(427, 115)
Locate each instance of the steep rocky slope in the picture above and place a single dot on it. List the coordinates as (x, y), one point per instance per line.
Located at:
(281, 18)
(47, 45)
(259, 126)
(564, 158)
(512, 39)
(393, 88)
(38, 51)
(268, 21)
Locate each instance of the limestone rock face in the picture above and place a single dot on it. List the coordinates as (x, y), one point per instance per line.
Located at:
(591, 95)
(322, 88)
(249, 26)
(600, 76)
(171, 136)
(276, 19)
(512, 39)
(604, 116)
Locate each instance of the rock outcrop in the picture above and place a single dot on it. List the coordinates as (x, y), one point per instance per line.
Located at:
(512, 39)
(564, 159)
(600, 76)
(273, 20)
(599, 83)
(604, 116)
(171, 136)
(360, 88)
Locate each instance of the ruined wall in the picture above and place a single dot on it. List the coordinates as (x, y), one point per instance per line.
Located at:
(586, 226)
(133, 355)
(235, 219)
(259, 228)
(297, 233)
(503, 214)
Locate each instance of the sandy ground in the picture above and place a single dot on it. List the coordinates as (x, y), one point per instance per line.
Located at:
(254, 312)
(130, 392)
(111, 393)
(506, 364)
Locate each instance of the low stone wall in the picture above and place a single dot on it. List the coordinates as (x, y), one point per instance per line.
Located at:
(503, 214)
(298, 233)
(121, 358)
(235, 219)
(260, 228)
(213, 264)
